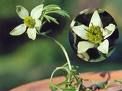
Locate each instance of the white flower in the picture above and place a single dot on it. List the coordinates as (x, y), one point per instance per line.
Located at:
(31, 22)
(94, 35)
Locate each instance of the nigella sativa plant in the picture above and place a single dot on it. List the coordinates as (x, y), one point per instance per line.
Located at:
(33, 22)
(94, 34)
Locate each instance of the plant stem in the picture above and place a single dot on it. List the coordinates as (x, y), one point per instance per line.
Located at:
(65, 53)
(58, 68)
(62, 47)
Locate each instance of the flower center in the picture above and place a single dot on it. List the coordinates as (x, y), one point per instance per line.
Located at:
(94, 34)
(29, 22)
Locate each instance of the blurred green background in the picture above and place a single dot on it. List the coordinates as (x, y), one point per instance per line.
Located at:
(23, 60)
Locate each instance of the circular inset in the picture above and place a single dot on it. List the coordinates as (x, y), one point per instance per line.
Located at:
(93, 35)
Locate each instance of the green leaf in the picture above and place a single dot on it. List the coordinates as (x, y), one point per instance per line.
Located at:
(51, 7)
(60, 12)
(49, 19)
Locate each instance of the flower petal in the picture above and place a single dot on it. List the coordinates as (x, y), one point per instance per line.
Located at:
(85, 11)
(83, 46)
(18, 30)
(108, 31)
(80, 31)
(72, 23)
(21, 11)
(104, 47)
(84, 56)
(37, 11)
(38, 24)
(31, 33)
(95, 19)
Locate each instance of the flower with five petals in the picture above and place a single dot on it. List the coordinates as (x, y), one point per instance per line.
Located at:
(94, 35)
(31, 23)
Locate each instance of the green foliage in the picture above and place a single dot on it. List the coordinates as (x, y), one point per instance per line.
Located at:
(71, 82)
(53, 9)
(51, 19)
(60, 12)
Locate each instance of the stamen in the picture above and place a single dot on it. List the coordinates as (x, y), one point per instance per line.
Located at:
(94, 34)
(29, 22)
